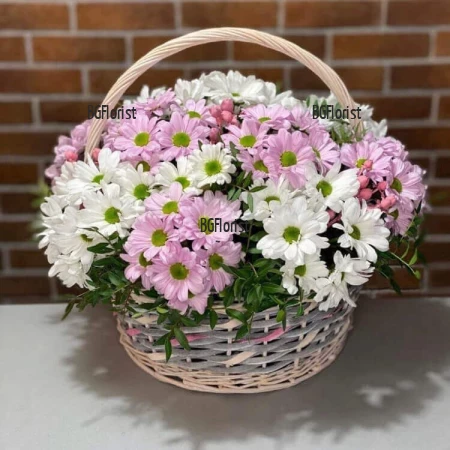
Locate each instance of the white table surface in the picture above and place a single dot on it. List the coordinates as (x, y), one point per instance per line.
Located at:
(69, 385)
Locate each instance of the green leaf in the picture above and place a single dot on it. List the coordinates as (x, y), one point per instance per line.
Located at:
(250, 202)
(272, 288)
(230, 193)
(413, 260)
(181, 338)
(235, 314)
(168, 349)
(300, 311)
(281, 315)
(188, 321)
(212, 319)
(241, 332)
(236, 195)
(258, 188)
(101, 248)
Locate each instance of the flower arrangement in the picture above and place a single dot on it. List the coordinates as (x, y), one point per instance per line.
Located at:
(222, 191)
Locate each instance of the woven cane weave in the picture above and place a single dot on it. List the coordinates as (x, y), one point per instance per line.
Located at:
(270, 358)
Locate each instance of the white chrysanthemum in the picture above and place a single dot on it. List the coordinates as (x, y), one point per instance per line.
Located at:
(364, 229)
(145, 93)
(182, 173)
(347, 271)
(305, 276)
(293, 232)
(60, 185)
(190, 90)
(241, 89)
(333, 188)
(212, 164)
(70, 271)
(90, 176)
(274, 194)
(136, 185)
(107, 211)
(272, 98)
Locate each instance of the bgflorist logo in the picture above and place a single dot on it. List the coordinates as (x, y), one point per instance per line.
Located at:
(210, 225)
(332, 112)
(104, 112)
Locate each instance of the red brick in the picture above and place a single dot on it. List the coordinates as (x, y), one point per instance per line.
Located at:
(11, 173)
(24, 286)
(15, 112)
(102, 80)
(378, 45)
(28, 259)
(331, 13)
(421, 161)
(17, 203)
(230, 14)
(402, 277)
(398, 107)
(66, 111)
(427, 76)
(78, 49)
(364, 78)
(418, 12)
(27, 143)
(254, 52)
(439, 278)
(437, 223)
(443, 167)
(439, 195)
(436, 251)
(206, 52)
(444, 107)
(423, 138)
(15, 232)
(443, 43)
(38, 16)
(39, 81)
(12, 49)
(125, 16)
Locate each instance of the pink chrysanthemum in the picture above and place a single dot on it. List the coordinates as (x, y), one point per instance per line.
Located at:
(150, 236)
(368, 157)
(218, 253)
(405, 181)
(139, 267)
(180, 136)
(158, 105)
(197, 110)
(275, 116)
(392, 147)
(288, 154)
(200, 211)
(177, 273)
(136, 137)
(198, 302)
(325, 149)
(302, 119)
(250, 136)
(400, 216)
(167, 204)
(253, 164)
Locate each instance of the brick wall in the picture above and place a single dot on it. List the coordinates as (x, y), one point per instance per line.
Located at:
(57, 57)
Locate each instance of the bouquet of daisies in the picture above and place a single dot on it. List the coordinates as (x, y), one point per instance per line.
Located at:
(222, 191)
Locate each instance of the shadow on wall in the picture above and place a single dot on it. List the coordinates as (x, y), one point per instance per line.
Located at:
(394, 363)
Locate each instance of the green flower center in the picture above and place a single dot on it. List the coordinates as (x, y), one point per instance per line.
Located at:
(324, 187)
(183, 181)
(143, 261)
(394, 214)
(159, 238)
(288, 159)
(142, 139)
(317, 153)
(259, 165)
(85, 238)
(235, 94)
(213, 167)
(179, 271)
(112, 215)
(360, 162)
(170, 207)
(300, 271)
(181, 139)
(141, 191)
(98, 178)
(247, 141)
(356, 233)
(205, 224)
(272, 198)
(397, 185)
(194, 115)
(263, 119)
(145, 166)
(215, 261)
(291, 234)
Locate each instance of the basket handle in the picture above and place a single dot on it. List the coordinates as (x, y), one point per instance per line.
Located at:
(322, 70)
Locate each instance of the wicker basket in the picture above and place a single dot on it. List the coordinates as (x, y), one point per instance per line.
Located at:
(270, 358)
